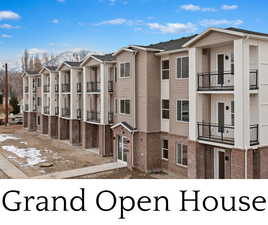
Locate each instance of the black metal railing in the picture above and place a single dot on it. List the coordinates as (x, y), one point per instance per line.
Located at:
(65, 112)
(65, 88)
(56, 88)
(253, 80)
(110, 117)
(216, 133)
(79, 87)
(26, 89)
(214, 81)
(46, 88)
(254, 134)
(46, 110)
(79, 113)
(93, 116)
(110, 86)
(56, 110)
(93, 86)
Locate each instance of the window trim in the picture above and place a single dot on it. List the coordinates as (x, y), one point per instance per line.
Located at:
(161, 67)
(165, 109)
(124, 63)
(124, 99)
(181, 57)
(182, 100)
(176, 156)
(162, 148)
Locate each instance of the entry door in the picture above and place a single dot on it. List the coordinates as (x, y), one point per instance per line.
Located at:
(221, 69)
(219, 164)
(122, 148)
(221, 117)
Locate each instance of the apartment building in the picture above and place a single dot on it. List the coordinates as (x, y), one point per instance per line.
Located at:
(195, 107)
(32, 101)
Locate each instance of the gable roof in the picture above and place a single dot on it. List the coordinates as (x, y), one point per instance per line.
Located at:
(105, 58)
(126, 126)
(73, 64)
(246, 31)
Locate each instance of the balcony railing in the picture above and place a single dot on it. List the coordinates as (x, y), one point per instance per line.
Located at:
(46, 88)
(65, 112)
(214, 81)
(79, 87)
(26, 89)
(79, 114)
(110, 86)
(253, 80)
(56, 88)
(93, 86)
(254, 134)
(46, 110)
(110, 117)
(65, 88)
(34, 89)
(56, 110)
(216, 133)
(93, 116)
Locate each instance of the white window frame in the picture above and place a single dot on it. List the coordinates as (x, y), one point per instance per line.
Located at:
(182, 100)
(165, 59)
(124, 99)
(164, 149)
(165, 109)
(124, 63)
(181, 57)
(177, 163)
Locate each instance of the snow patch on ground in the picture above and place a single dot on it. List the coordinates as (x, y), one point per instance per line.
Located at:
(32, 155)
(24, 142)
(5, 137)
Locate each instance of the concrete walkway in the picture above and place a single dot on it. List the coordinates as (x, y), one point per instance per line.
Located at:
(83, 171)
(10, 170)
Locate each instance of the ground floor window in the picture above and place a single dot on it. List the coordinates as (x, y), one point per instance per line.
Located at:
(165, 149)
(38, 120)
(181, 154)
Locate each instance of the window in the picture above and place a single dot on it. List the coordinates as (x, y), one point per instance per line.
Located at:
(124, 70)
(38, 82)
(125, 106)
(183, 67)
(183, 111)
(181, 155)
(165, 69)
(232, 63)
(38, 120)
(165, 149)
(232, 113)
(115, 105)
(38, 101)
(115, 74)
(165, 109)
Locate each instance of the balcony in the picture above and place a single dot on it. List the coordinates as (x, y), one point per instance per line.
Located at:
(46, 88)
(93, 117)
(57, 88)
(65, 88)
(110, 117)
(110, 86)
(79, 87)
(34, 89)
(224, 134)
(26, 89)
(46, 110)
(93, 86)
(79, 114)
(214, 81)
(56, 110)
(65, 112)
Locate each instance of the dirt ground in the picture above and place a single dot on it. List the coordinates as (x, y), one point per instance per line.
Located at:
(60, 154)
(2, 175)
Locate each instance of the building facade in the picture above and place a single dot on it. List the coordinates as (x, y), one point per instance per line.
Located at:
(194, 107)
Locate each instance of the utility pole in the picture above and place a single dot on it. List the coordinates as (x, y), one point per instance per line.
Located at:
(6, 95)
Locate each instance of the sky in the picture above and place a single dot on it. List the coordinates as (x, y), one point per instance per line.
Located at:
(54, 26)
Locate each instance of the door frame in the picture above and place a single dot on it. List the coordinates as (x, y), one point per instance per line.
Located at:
(217, 66)
(122, 139)
(216, 162)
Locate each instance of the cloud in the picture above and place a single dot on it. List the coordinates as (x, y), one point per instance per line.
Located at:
(9, 15)
(5, 36)
(60, 1)
(34, 51)
(229, 7)
(173, 28)
(55, 21)
(213, 22)
(194, 8)
(8, 26)
(117, 21)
